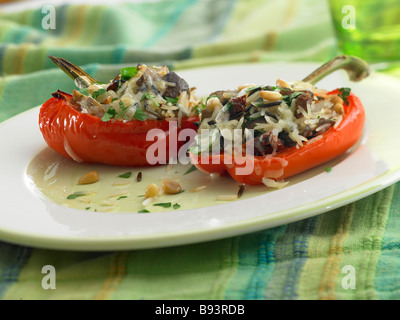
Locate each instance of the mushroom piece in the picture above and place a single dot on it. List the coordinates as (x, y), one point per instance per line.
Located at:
(176, 90)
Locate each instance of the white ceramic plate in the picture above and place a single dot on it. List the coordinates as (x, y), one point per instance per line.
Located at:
(28, 218)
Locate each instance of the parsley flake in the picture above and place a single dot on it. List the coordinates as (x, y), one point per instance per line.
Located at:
(83, 91)
(228, 106)
(176, 206)
(200, 107)
(129, 72)
(174, 101)
(191, 169)
(148, 96)
(144, 211)
(108, 115)
(76, 195)
(140, 115)
(344, 93)
(98, 93)
(123, 110)
(125, 175)
(163, 204)
(289, 98)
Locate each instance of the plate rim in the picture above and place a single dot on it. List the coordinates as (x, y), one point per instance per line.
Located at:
(133, 242)
(183, 237)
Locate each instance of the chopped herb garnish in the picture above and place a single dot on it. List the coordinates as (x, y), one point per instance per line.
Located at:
(87, 208)
(144, 211)
(344, 93)
(76, 195)
(191, 169)
(148, 96)
(122, 197)
(141, 195)
(176, 206)
(199, 108)
(83, 91)
(289, 98)
(123, 110)
(127, 73)
(125, 175)
(252, 90)
(140, 115)
(212, 96)
(328, 169)
(98, 93)
(227, 107)
(163, 204)
(108, 115)
(174, 101)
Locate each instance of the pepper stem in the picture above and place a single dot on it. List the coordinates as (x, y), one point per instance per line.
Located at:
(82, 79)
(356, 68)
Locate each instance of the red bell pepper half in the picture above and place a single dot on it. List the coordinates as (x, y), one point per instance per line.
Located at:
(290, 161)
(86, 138)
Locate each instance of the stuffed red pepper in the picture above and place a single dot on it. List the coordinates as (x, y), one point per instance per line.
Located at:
(284, 129)
(108, 122)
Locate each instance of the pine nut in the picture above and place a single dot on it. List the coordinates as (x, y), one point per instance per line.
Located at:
(228, 95)
(338, 107)
(283, 83)
(212, 103)
(270, 95)
(336, 99)
(171, 187)
(244, 86)
(88, 178)
(107, 100)
(152, 190)
(321, 92)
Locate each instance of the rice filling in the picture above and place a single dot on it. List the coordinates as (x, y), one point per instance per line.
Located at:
(139, 93)
(278, 116)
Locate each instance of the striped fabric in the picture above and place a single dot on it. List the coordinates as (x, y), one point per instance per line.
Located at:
(309, 259)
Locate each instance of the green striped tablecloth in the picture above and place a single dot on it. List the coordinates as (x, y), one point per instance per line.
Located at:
(302, 260)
